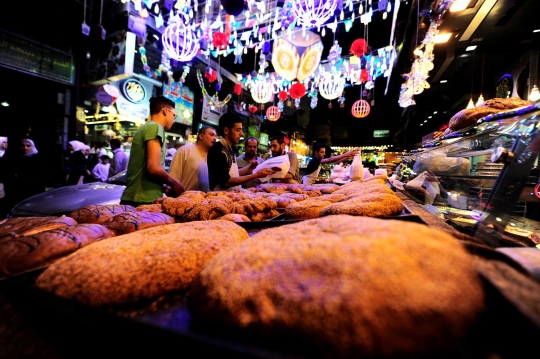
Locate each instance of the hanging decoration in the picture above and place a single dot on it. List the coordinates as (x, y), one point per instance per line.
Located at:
(179, 42)
(334, 54)
(283, 95)
(220, 40)
(262, 91)
(211, 100)
(359, 47)
(331, 85)
(297, 90)
(287, 15)
(210, 74)
(237, 89)
(273, 113)
(360, 109)
(253, 108)
(341, 100)
(313, 13)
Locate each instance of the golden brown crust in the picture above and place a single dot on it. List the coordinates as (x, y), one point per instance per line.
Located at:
(98, 213)
(348, 286)
(469, 117)
(506, 103)
(369, 205)
(235, 217)
(307, 209)
(128, 222)
(140, 265)
(27, 226)
(155, 207)
(22, 254)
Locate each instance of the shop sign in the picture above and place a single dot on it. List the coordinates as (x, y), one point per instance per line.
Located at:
(134, 91)
(184, 100)
(126, 108)
(381, 133)
(107, 95)
(35, 59)
(211, 115)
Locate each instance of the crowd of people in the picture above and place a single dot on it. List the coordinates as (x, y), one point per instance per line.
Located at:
(206, 165)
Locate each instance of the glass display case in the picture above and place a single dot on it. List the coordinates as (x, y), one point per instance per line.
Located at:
(484, 179)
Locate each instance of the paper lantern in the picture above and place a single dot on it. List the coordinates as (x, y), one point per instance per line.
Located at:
(253, 108)
(360, 109)
(107, 95)
(297, 90)
(359, 47)
(262, 91)
(272, 113)
(331, 85)
(237, 89)
(219, 40)
(179, 42)
(313, 13)
(283, 95)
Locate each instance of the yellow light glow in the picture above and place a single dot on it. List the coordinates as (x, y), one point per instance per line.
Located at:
(459, 5)
(440, 38)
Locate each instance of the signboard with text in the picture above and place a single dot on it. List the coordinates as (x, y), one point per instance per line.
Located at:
(381, 133)
(184, 99)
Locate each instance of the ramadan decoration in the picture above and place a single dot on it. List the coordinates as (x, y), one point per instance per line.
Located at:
(179, 42)
(262, 91)
(331, 85)
(273, 113)
(360, 109)
(313, 13)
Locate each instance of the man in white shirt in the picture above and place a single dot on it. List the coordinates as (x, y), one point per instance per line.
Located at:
(120, 159)
(250, 145)
(101, 170)
(277, 146)
(189, 165)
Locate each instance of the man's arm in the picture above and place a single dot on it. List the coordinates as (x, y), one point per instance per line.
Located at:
(154, 167)
(340, 158)
(235, 181)
(246, 170)
(293, 170)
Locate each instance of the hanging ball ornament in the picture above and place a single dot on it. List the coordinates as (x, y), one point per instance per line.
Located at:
(273, 113)
(331, 85)
(360, 109)
(262, 91)
(179, 42)
(253, 108)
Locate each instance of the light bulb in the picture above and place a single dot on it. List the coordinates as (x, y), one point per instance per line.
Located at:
(480, 100)
(470, 104)
(535, 94)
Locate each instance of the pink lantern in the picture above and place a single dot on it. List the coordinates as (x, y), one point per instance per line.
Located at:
(360, 109)
(272, 113)
(107, 95)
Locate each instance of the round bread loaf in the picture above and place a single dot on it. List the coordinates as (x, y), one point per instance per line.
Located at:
(27, 226)
(128, 222)
(345, 286)
(99, 213)
(141, 265)
(469, 117)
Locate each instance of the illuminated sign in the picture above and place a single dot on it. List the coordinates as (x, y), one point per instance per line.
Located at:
(381, 133)
(134, 91)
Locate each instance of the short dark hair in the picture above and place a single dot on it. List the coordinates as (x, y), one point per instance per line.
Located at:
(227, 120)
(158, 103)
(318, 146)
(250, 139)
(203, 129)
(115, 143)
(105, 157)
(279, 138)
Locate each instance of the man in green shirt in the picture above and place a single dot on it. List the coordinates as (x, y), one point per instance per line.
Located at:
(146, 177)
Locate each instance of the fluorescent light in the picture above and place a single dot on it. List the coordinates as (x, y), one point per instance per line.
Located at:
(459, 5)
(5, 104)
(444, 81)
(425, 121)
(434, 112)
(471, 48)
(430, 117)
(440, 38)
(537, 30)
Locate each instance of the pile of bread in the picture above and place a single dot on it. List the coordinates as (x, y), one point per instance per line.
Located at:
(469, 117)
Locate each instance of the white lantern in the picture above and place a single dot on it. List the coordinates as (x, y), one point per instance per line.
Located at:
(331, 85)
(179, 42)
(313, 13)
(262, 91)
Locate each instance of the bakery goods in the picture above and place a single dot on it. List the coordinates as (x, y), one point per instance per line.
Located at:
(504, 104)
(307, 209)
(235, 217)
(370, 205)
(345, 286)
(141, 265)
(27, 226)
(469, 117)
(98, 213)
(154, 207)
(128, 222)
(22, 254)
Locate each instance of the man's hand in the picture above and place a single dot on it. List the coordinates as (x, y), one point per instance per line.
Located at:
(352, 153)
(264, 172)
(175, 189)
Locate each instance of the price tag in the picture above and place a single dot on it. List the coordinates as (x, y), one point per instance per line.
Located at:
(85, 29)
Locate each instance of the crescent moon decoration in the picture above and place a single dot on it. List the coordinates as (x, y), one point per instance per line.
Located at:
(211, 100)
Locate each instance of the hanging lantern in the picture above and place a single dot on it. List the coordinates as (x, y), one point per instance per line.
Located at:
(359, 47)
(237, 89)
(360, 109)
(313, 13)
(283, 95)
(297, 90)
(272, 113)
(262, 91)
(179, 42)
(253, 108)
(331, 85)
(220, 40)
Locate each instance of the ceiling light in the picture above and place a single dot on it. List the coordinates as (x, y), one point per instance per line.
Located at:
(430, 117)
(470, 104)
(440, 38)
(444, 81)
(434, 112)
(425, 121)
(459, 5)
(480, 100)
(537, 30)
(5, 104)
(534, 95)
(471, 48)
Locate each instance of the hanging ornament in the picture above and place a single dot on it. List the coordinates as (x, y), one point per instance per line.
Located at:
(297, 102)
(219, 40)
(237, 89)
(330, 106)
(313, 13)
(262, 91)
(210, 74)
(359, 47)
(280, 106)
(283, 95)
(331, 85)
(287, 15)
(253, 108)
(273, 113)
(335, 54)
(341, 100)
(360, 109)
(179, 42)
(297, 90)
(364, 76)
(313, 102)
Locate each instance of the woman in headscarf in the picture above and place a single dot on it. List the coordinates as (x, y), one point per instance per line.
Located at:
(29, 172)
(5, 176)
(76, 163)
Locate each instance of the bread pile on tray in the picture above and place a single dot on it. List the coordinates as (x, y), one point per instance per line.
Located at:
(469, 117)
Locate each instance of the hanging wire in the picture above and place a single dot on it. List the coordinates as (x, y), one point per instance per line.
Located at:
(101, 12)
(84, 12)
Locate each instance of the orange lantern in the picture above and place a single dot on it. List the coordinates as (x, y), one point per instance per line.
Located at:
(272, 113)
(360, 109)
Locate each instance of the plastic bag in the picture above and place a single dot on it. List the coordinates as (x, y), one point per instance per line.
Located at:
(439, 164)
(357, 170)
(281, 162)
(427, 184)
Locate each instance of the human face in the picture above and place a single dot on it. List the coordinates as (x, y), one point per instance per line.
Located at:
(235, 133)
(276, 148)
(26, 147)
(4, 144)
(170, 116)
(208, 138)
(251, 148)
(321, 153)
